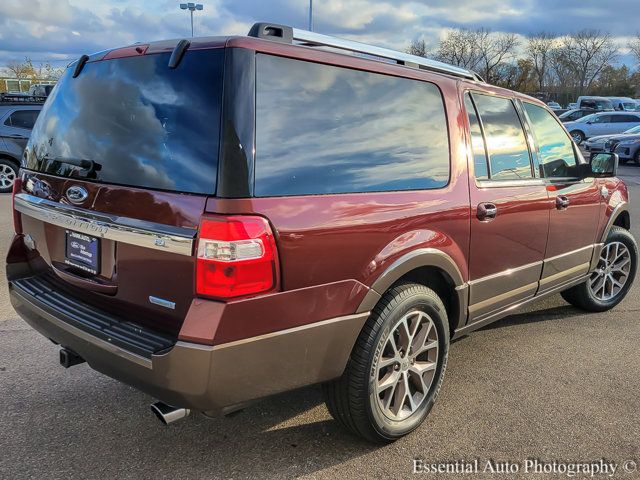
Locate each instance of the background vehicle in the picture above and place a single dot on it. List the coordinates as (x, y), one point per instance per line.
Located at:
(572, 106)
(40, 90)
(604, 123)
(598, 143)
(623, 103)
(554, 105)
(576, 114)
(626, 146)
(595, 103)
(16, 121)
(278, 218)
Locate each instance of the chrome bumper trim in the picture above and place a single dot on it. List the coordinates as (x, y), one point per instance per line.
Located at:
(141, 233)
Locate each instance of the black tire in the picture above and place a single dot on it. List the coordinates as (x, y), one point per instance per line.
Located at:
(352, 399)
(581, 295)
(577, 136)
(8, 173)
(623, 161)
(636, 157)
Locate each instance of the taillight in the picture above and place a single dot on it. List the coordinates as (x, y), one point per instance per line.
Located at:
(17, 218)
(237, 256)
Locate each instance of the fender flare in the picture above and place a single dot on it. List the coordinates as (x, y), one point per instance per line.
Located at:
(422, 257)
(617, 211)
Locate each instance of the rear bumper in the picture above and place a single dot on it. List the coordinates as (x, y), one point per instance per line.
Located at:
(202, 377)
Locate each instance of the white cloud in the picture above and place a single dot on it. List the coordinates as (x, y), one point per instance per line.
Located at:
(61, 30)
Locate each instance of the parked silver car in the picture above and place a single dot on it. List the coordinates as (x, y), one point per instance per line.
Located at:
(626, 145)
(16, 122)
(604, 123)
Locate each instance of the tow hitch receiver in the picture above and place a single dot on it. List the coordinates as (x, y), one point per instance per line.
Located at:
(69, 358)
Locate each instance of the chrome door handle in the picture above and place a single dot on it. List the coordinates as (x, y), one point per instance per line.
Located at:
(486, 211)
(562, 202)
(604, 191)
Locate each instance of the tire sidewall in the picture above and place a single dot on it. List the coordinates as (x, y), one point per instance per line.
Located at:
(384, 426)
(626, 239)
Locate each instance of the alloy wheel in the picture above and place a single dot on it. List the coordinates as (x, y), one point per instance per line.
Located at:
(612, 272)
(406, 366)
(7, 176)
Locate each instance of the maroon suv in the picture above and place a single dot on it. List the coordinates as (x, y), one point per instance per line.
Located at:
(217, 220)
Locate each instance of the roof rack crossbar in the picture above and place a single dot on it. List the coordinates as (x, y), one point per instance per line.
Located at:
(317, 39)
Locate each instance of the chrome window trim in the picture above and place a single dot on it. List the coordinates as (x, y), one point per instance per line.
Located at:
(167, 238)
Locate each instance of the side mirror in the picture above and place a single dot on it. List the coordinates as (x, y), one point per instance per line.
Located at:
(604, 165)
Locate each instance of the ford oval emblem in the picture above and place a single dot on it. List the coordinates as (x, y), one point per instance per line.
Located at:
(77, 194)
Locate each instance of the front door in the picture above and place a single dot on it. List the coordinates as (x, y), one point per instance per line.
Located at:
(575, 202)
(510, 209)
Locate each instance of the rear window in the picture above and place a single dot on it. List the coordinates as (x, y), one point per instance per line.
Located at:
(322, 129)
(133, 121)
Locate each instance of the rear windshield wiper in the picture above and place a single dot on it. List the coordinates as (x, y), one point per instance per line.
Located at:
(88, 167)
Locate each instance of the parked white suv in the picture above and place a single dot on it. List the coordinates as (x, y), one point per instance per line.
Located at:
(604, 123)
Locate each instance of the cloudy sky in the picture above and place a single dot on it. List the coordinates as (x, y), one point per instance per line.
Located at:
(60, 30)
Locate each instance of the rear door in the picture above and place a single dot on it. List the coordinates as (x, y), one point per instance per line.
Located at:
(625, 121)
(575, 202)
(117, 173)
(510, 209)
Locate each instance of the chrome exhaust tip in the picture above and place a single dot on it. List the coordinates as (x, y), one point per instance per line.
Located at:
(168, 414)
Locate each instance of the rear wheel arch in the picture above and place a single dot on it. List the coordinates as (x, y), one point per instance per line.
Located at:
(9, 158)
(433, 269)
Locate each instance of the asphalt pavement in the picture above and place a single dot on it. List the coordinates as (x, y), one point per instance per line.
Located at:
(550, 383)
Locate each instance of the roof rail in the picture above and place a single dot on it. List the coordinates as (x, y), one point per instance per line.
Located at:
(21, 98)
(286, 34)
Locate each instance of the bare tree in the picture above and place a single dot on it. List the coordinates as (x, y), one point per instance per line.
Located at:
(21, 70)
(634, 46)
(459, 47)
(417, 47)
(588, 52)
(539, 50)
(494, 50)
(481, 50)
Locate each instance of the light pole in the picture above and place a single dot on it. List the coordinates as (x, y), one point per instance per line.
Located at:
(192, 7)
(311, 15)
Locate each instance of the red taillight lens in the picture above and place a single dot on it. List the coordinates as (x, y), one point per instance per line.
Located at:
(17, 218)
(236, 256)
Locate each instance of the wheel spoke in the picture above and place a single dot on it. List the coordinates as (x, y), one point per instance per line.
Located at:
(388, 381)
(427, 347)
(422, 367)
(404, 372)
(421, 337)
(612, 273)
(399, 395)
(386, 362)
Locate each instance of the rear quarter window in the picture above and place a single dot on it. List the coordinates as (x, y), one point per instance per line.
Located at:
(323, 129)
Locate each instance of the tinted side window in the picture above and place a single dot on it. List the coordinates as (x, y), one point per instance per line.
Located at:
(602, 119)
(625, 119)
(477, 141)
(508, 152)
(555, 149)
(22, 119)
(322, 129)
